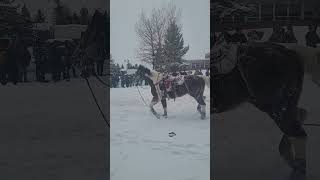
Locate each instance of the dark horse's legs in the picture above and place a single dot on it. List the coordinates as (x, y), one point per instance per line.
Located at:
(164, 105)
(154, 101)
(201, 106)
(293, 143)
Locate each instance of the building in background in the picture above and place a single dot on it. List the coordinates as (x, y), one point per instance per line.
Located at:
(195, 64)
(264, 13)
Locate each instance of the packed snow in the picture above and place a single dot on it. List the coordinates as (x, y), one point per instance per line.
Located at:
(140, 145)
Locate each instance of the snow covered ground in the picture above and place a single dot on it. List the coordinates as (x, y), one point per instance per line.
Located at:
(53, 131)
(140, 146)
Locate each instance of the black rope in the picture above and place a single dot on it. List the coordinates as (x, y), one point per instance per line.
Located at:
(141, 96)
(311, 124)
(101, 81)
(96, 101)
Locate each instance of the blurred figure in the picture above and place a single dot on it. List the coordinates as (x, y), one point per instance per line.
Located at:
(312, 38)
(254, 36)
(277, 35)
(198, 72)
(207, 72)
(289, 35)
(239, 36)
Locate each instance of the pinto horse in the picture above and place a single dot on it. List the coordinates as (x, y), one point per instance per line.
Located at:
(269, 76)
(192, 85)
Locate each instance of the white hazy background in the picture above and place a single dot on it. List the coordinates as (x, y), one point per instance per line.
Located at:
(195, 19)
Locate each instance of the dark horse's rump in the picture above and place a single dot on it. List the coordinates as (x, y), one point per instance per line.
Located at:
(270, 77)
(270, 70)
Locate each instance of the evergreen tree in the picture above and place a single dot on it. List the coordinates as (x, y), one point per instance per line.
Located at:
(122, 66)
(59, 13)
(84, 16)
(174, 48)
(75, 18)
(129, 65)
(25, 12)
(39, 18)
(63, 13)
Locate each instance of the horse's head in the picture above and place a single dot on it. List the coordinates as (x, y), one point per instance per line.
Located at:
(142, 72)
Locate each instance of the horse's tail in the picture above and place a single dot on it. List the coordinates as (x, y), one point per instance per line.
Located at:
(206, 80)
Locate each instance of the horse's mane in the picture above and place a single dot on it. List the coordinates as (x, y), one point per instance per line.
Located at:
(145, 69)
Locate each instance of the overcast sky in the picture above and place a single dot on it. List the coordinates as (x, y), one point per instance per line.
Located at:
(125, 13)
(74, 5)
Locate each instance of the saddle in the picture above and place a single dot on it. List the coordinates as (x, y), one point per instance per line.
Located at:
(173, 81)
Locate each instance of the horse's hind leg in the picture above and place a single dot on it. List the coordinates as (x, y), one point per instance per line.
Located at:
(164, 105)
(154, 101)
(201, 106)
(293, 143)
(302, 114)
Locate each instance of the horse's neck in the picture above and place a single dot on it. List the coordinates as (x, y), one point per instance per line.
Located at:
(155, 77)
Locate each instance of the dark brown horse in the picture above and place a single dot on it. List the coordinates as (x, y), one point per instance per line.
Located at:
(269, 76)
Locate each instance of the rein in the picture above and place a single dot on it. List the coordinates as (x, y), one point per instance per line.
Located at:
(96, 101)
(94, 97)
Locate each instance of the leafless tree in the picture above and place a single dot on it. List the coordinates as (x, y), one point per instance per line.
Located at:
(151, 32)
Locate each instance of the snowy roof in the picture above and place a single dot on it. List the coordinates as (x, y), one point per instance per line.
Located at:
(61, 40)
(131, 71)
(41, 26)
(70, 31)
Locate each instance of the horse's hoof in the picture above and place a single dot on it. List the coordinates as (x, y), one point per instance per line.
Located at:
(302, 115)
(203, 116)
(165, 116)
(298, 175)
(286, 151)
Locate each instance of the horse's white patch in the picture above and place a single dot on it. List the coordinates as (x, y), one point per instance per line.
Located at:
(155, 77)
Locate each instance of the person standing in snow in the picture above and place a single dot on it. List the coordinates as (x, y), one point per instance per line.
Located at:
(207, 72)
(239, 36)
(277, 35)
(289, 35)
(312, 38)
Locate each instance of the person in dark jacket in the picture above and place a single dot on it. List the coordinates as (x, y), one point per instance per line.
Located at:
(312, 38)
(278, 34)
(13, 58)
(198, 72)
(239, 36)
(289, 35)
(207, 72)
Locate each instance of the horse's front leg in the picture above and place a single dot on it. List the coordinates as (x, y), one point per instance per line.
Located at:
(164, 105)
(201, 107)
(293, 143)
(154, 101)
